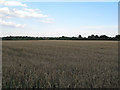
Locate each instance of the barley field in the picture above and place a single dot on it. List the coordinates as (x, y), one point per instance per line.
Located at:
(60, 64)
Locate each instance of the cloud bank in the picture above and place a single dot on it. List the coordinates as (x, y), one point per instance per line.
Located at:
(26, 13)
(11, 24)
(23, 12)
(12, 3)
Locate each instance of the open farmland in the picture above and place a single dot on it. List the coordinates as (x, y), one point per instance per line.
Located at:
(60, 64)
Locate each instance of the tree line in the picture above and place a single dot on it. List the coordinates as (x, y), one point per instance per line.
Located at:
(91, 37)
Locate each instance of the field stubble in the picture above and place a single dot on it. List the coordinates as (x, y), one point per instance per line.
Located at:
(60, 64)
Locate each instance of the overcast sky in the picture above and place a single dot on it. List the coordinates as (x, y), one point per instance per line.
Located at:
(52, 19)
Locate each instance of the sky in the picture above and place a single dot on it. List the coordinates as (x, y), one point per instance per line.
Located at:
(54, 19)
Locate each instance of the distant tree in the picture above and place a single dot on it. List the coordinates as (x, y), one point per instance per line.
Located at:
(91, 37)
(79, 36)
(63, 36)
(96, 36)
(104, 37)
(117, 37)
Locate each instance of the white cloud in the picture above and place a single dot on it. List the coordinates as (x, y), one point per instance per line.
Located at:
(5, 10)
(11, 24)
(27, 13)
(48, 20)
(12, 3)
(32, 10)
(7, 13)
(4, 17)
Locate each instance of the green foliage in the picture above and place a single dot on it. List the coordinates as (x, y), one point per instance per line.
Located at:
(92, 37)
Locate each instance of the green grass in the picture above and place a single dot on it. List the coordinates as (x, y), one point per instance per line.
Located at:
(60, 64)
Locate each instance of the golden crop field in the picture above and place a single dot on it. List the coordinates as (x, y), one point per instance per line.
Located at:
(60, 64)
